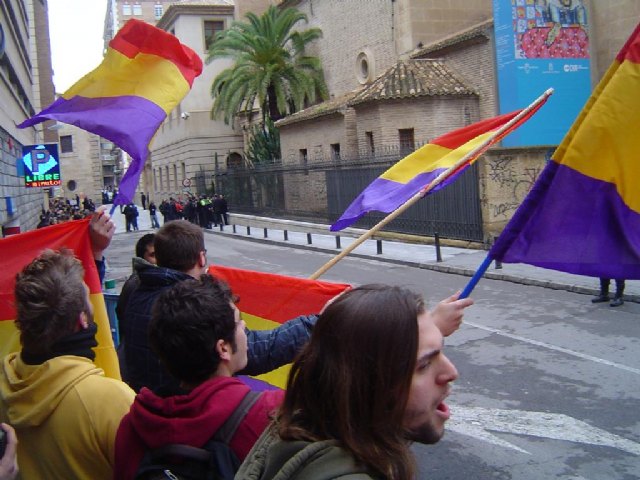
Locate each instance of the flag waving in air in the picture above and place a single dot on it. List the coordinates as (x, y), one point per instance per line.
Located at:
(268, 300)
(419, 169)
(583, 214)
(145, 73)
(19, 250)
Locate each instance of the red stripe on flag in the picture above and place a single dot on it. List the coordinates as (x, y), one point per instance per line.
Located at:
(140, 37)
(459, 137)
(631, 49)
(277, 297)
(19, 250)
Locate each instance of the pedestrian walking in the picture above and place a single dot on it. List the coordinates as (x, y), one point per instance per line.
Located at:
(152, 215)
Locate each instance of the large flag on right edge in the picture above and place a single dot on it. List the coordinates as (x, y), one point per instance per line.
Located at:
(583, 214)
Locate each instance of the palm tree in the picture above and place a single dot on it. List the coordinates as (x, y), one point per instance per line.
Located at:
(270, 66)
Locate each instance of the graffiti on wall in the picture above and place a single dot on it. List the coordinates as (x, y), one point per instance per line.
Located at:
(510, 184)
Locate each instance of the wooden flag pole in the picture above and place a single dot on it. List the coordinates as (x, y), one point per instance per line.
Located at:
(434, 183)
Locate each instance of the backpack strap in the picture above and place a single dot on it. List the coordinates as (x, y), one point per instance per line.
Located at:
(228, 429)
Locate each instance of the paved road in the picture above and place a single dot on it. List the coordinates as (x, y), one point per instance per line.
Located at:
(549, 384)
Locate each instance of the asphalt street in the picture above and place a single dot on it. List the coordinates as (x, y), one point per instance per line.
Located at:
(549, 383)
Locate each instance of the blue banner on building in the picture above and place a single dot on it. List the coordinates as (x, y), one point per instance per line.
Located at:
(41, 165)
(542, 44)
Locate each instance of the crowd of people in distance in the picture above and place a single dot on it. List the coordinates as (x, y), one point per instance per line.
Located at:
(204, 210)
(65, 209)
(369, 375)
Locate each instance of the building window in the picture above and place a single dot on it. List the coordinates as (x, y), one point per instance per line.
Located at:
(335, 151)
(158, 11)
(166, 172)
(211, 29)
(183, 171)
(126, 9)
(304, 157)
(160, 177)
(137, 9)
(407, 140)
(155, 180)
(370, 144)
(66, 144)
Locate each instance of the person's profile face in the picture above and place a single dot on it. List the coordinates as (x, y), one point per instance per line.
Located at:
(239, 358)
(150, 254)
(427, 411)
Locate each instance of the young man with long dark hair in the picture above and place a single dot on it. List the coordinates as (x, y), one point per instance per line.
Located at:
(372, 379)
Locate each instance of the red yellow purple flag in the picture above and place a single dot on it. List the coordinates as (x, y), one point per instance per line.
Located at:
(413, 173)
(19, 250)
(145, 73)
(268, 300)
(583, 214)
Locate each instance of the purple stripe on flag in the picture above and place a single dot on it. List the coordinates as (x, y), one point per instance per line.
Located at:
(128, 121)
(257, 385)
(386, 196)
(600, 233)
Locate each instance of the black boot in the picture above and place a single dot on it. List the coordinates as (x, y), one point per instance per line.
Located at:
(616, 302)
(603, 297)
(604, 292)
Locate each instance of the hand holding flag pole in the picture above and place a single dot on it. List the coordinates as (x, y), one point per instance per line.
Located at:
(447, 174)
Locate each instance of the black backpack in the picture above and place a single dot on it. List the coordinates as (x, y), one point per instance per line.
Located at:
(214, 461)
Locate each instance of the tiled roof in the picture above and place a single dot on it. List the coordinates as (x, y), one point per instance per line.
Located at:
(325, 108)
(413, 78)
(476, 32)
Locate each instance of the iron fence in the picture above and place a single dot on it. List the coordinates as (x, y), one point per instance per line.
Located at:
(322, 190)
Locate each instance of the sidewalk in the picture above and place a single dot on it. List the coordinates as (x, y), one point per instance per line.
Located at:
(461, 261)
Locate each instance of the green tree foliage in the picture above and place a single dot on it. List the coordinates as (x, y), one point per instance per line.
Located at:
(264, 144)
(270, 67)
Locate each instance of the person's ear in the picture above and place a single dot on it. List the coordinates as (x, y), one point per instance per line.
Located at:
(83, 322)
(224, 350)
(202, 261)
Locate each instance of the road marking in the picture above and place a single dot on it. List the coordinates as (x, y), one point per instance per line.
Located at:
(478, 422)
(556, 348)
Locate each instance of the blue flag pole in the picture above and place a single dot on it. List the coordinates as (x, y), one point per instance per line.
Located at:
(476, 277)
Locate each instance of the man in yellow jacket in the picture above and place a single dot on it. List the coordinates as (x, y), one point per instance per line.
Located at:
(64, 410)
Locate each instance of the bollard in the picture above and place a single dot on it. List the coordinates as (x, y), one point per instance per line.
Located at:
(498, 263)
(338, 242)
(234, 228)
(286, 235)
(436, 238)
(248, 230)
(308, 239)
(222, 227)
(379, 247)
(266, 234)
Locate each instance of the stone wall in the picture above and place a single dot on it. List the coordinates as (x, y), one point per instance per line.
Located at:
(506, 176)
(350, 28)
(427, 116)
(427, 21)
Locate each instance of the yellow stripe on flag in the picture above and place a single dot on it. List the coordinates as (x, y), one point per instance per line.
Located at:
(277, 377)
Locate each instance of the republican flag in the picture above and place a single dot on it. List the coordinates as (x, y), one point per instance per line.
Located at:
(145, 73)
(583, 214)
(268, 300)
(19, 250)
(416, 171)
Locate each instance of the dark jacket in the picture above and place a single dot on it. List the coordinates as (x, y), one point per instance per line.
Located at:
(189, 418)
(274, 459)
(267, 349)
